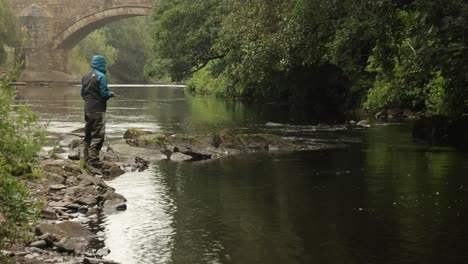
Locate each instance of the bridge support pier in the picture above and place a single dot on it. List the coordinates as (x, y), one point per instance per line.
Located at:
(41, 62)
(55, 27)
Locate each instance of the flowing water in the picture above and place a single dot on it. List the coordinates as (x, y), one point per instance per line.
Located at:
(353, 196)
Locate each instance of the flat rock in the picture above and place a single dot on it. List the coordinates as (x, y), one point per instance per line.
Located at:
(103, 252)
(54, 178)
(116, 171)
(57, 187)
(49, 214)
(60, 204)
(75, 143)
(64, 229)
(87, 200)
(39, 244)
(98, 261)
(73, 244)
(74, 154)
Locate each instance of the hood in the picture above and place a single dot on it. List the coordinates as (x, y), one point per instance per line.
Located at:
(99, 63)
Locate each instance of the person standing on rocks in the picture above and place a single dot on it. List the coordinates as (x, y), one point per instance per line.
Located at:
(95, 94)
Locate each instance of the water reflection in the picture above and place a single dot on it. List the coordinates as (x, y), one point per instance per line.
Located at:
(360, 196)
(384, 200)
(143, 234)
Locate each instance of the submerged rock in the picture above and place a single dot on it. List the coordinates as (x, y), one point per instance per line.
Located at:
(202, 147)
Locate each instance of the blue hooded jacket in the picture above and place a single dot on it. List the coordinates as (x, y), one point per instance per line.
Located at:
(94, 88)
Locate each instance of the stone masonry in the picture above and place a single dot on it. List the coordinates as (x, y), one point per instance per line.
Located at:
(54, 27)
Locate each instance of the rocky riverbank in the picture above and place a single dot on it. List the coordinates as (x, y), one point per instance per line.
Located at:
(74, 198)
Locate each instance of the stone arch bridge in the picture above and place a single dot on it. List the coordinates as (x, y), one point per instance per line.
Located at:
(54, 27)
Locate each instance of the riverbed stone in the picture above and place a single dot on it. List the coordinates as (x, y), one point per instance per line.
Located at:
(57, 187)
(135, 133)
(107, 165)
(64, 229)
(39, 244)
(363, 123)
(74, 154)
(77, 191)
(49, 238)
(54, 178)
(103, 252)
(116, 171)
(75, 143)
(87, 200)
(71, 181)
(55, 167)
(121, 207)
(225, 138)
(73, 244)
(60, 204)
(72, 168)
(95, 180)
(98, 261)
(48, 213)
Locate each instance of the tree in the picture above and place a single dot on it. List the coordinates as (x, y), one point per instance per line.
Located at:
(7, 34)
(131, 39)
(185, 34)
(397, 53)
(21, 138)
(95, 43)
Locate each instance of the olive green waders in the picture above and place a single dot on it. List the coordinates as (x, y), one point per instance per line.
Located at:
(95, 131)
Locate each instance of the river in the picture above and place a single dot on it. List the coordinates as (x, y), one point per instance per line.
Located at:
(355, 195)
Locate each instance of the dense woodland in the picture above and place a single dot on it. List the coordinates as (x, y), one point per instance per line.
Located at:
(341, 54)
(406, 53)
(125, 44)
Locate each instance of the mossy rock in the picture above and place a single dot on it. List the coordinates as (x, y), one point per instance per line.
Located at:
(227, 139)
(135, 133)
(182, 139)
(153, 138)
(260, 141)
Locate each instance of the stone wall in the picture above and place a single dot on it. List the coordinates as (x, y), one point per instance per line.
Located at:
(54, 27)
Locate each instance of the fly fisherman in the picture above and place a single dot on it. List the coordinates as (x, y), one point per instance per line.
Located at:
(95, 94)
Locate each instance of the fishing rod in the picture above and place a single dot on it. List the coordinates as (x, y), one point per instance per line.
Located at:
(163, 102)
(143, 100)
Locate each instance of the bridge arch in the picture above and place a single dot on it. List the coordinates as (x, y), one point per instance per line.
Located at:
(55, 27)
(75, 32)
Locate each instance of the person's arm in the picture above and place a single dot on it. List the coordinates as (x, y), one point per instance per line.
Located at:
(103, 89)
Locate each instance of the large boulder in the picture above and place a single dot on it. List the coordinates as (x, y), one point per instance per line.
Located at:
(64, 229)
(205, 147)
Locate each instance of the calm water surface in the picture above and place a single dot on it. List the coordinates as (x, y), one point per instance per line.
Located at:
(355, 196)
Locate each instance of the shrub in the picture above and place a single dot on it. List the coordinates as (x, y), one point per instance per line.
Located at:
(20, 140)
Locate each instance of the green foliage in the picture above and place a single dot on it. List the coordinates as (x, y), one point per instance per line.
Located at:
(21, 138)
(133, 44)
(185, 32)
(7, 26)
(397, 53)
(203, 82)
(424, 67)
(95, 43)
(125, 44)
